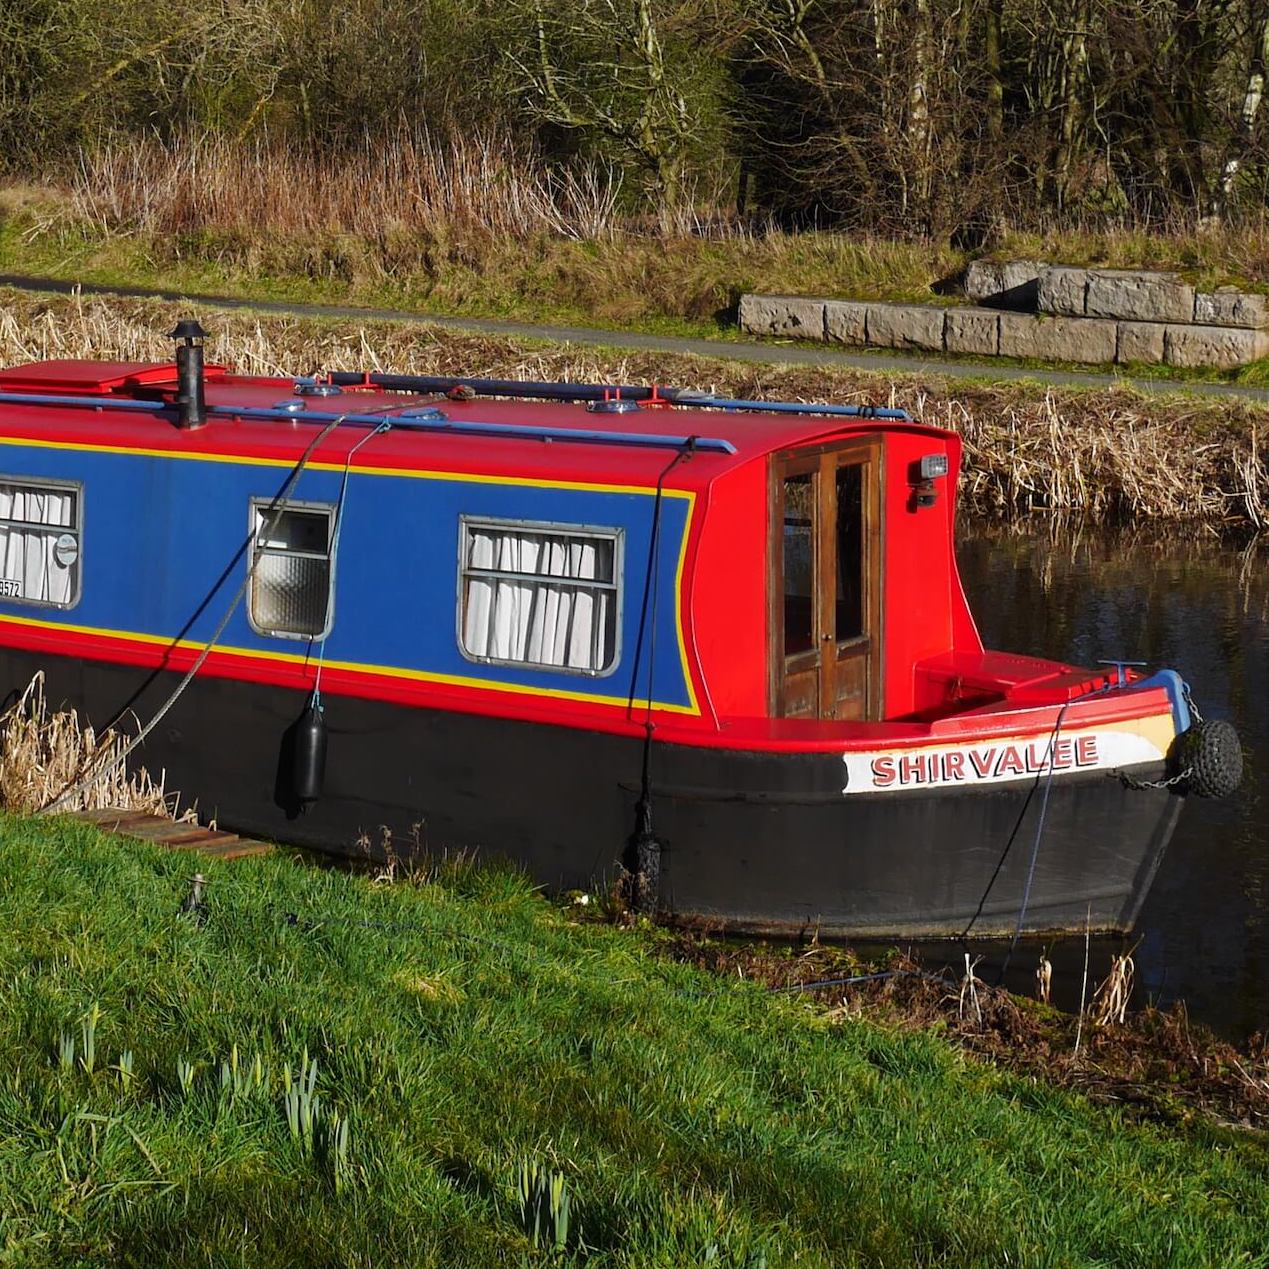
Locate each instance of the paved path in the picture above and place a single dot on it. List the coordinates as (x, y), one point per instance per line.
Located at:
(731, 350)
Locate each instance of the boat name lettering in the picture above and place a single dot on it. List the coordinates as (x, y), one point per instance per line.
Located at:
(992, 762)
(964, 765)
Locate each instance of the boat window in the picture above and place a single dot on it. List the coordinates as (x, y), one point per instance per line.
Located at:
(290, 590)
(39, 542)
(540, 594)
(799, 562)
(849, 597)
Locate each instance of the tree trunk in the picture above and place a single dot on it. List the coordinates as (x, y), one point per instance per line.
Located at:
(919, 133)
(995, 81)
(1241, 141)
(1074, 73)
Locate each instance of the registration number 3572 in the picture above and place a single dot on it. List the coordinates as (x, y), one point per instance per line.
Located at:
(10, 589)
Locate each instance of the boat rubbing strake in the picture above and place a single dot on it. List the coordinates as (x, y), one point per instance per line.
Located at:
(719, 648)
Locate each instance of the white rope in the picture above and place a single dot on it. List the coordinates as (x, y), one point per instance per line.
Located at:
(385, 426)
(275, 510)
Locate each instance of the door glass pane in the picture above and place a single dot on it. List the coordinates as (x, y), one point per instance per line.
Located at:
(799, 563)
(849, 599)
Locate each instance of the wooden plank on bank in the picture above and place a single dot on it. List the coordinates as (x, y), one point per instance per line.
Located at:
(182, 835)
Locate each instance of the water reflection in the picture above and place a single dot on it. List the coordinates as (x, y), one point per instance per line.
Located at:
(1202, 607)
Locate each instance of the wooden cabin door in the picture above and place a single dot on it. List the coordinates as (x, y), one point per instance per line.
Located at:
(826, 582)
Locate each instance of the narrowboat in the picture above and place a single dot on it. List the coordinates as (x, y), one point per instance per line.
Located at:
(716, 649)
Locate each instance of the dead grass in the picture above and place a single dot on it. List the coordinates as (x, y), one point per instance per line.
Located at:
(401, 195)
(471, 223)
(1098, 456)
(377, 191)
(44, 755)
(1158, 1065)
(478, 224)
(1209, 255)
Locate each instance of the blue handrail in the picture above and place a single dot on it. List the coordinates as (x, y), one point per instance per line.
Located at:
(794, 407)
(464, 427)
(544, 390)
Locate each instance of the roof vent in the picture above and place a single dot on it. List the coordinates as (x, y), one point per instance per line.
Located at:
(613, 405)
(290, 406)
(424, 414)
(316, 388)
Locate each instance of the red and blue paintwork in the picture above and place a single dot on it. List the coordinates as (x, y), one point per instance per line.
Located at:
(175, 504)
(165, 518)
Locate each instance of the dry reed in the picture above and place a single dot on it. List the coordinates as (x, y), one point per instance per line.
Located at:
(1111, 999)
(1044, 981)
(1104, 455)
(44, 755)
(411, 181)
(378, 192)
(967, 997)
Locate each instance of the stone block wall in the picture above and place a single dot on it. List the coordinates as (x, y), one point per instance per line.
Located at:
(974, 331)
(1034, 310)
(1056, 338)
(1011, 284)
(906, 326)
(788, 315)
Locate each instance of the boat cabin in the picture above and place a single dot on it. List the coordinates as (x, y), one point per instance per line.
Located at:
(713, 560)
(719, 646)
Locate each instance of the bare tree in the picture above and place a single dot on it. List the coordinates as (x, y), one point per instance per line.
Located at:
(634, 73)
(1240, 143)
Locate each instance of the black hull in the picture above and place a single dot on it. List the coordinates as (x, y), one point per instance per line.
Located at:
(752, 842)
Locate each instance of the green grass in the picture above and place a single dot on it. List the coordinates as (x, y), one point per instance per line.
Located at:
(1207, 259)
(464, 1027)
(685, 287)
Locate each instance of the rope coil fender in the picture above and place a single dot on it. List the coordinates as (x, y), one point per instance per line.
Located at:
(1213, 754)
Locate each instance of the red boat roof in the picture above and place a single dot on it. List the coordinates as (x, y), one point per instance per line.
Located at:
(94, 378)
(750, 434)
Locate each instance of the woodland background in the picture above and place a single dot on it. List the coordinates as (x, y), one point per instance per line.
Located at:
(937, 119)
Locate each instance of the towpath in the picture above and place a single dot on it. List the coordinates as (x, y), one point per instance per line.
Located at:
(732, 350)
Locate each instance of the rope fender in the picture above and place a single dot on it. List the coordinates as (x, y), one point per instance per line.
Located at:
(1213, 755)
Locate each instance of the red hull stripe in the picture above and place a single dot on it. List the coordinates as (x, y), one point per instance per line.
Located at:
(410, 687)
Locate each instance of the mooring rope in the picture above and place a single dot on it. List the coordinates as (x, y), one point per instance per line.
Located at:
(274, 510)
(647, 850)
(383, 427)
(1035, 848)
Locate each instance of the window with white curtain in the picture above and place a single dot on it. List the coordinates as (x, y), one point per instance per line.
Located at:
(540, 594)
(39, 542)
(290, 589)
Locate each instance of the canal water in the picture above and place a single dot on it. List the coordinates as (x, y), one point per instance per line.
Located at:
(1169, 599)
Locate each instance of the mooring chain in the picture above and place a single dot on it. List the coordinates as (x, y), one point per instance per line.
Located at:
(1180, 776)
(1133, 783)
(1189, 701)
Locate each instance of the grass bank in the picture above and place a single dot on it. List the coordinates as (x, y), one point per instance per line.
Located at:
(468, 226)
(461, 1028)
(1101, 455)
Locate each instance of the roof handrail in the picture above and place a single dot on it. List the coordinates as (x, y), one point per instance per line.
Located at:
(687, 397)
(528, 389)
(441, 424)
(545, 390)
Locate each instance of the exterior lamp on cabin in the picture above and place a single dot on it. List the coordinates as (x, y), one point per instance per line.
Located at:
(928, 469)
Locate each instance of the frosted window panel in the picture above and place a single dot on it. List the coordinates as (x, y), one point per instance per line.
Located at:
(32, 521)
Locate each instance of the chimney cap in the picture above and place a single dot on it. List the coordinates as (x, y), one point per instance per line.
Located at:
(188, 329)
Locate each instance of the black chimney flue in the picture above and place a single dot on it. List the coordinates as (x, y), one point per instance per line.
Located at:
(191, 404)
